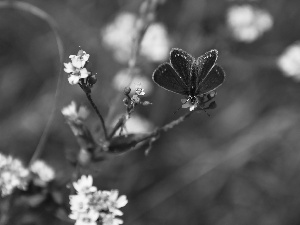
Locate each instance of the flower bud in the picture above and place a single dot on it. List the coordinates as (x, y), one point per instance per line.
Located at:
(127, 90)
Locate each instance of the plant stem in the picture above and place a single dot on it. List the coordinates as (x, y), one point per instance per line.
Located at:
(88, 95)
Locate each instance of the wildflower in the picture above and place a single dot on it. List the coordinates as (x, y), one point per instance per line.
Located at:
(84, 185)
(289, 61)
(71, 112)
(248, 23)
(12, 175)
(76, 69)
(90, 206)
(139, 90)
(44, 173)
(79, 60)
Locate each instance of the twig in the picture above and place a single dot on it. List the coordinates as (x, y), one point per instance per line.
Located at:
(88, 95)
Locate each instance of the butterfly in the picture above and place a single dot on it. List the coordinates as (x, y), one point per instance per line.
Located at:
(188, 76)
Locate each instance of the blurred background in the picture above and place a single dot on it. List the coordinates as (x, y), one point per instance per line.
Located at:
(238, 166)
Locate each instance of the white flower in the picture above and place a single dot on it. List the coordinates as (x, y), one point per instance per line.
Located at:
(89, 218)
(43, 171)
(139, 90)
(12, 175)
(69, 68)
(79, 203)
(156, 44)
(79, 60)
(84, 185)
(75, 68)
(119, 35)
(188, 104)
(247, 23)
(90, 205)
(109, 219)
(115, 202)
(71, 112)
(289, 61)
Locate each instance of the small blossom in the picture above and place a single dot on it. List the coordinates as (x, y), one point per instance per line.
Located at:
(188, 104)
(84, 185)
(109, 219)
(90, 205)
(247, 23)
(12, 175)
(79, 203)
(135, 99)
(79, 60)
(139, 90)
(71, 112)
(43, 171)
(89, 218)
(69, 68)
(289, 61)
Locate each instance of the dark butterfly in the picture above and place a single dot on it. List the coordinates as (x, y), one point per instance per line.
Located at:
(188, 76)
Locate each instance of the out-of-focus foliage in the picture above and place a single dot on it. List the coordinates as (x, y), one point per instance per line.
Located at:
(239, 166)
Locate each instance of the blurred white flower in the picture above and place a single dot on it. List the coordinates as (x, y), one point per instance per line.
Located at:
(72, 114)
(84, 185)
(119, 35)
(12, 175)
(156, 44)
(137, 124)
(247, 23)
(44, 172)
(289, 61)
(123, 79)
(90, 205)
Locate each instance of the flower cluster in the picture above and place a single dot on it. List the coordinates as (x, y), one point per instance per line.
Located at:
(42, 172)
(78, 74)
(12, 175)
(247, 23)
(91, 206)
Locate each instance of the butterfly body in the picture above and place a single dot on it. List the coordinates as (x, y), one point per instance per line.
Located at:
(189, 76)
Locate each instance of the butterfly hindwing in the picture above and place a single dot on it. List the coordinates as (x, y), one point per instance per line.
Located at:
(214, 79)
(166, 77)
(182, 62)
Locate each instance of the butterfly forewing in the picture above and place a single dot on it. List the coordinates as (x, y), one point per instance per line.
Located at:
(182, 62)
(214, 79)
(204, 64)
(166, 77)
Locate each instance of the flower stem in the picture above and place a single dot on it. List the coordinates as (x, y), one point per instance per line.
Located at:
(88, 95)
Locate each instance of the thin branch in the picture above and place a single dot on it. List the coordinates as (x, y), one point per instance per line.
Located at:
(88, 95)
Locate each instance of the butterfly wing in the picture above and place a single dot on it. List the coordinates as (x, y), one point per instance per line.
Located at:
(214, 79)
(203, 66)
(166, 77)
(182, 62)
